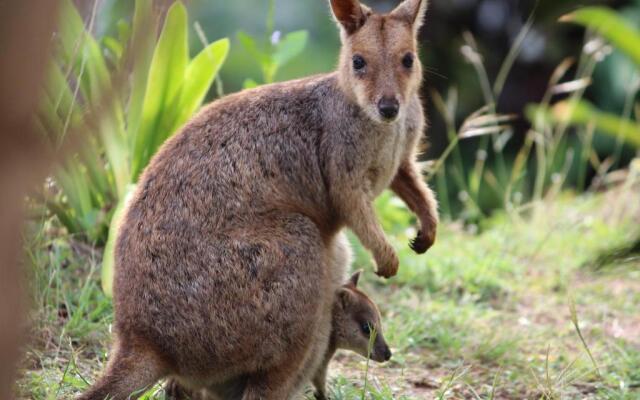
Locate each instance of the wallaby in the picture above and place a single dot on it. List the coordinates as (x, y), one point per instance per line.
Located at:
(354, 319)
(224, 256)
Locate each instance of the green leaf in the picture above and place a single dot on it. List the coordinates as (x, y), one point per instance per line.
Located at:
(51, 124)
(77, 190)
(199, 76)
(108, 257)
(65, 216)
(251, 47)
(264, 59)
(611, 26)
(582, 113)
(166, 77)
(249, 84)
(114, 47)
(141, 51)
(97, 173)
(124, 31)
(290, 46)
(56, 104)
(80, 50)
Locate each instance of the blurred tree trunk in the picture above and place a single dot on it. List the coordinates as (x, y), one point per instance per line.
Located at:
(26, 28)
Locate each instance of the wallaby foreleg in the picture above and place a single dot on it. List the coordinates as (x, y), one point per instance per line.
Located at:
(410, 187)
(362, 219)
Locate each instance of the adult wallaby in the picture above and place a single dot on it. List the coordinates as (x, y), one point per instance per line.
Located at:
(354, 319)
(225, 258)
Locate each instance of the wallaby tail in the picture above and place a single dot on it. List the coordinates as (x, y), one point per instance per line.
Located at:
(129, 373)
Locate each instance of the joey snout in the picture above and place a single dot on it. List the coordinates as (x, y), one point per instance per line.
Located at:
(381, 352)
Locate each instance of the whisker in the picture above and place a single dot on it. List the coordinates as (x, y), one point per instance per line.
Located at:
(433, 72)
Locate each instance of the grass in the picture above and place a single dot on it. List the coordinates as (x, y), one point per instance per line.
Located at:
(489, 313)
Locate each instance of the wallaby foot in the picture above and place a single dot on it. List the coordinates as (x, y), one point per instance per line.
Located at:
(129, 373)
(175, 391)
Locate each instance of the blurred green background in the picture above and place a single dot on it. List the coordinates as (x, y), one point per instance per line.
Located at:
(495, 25)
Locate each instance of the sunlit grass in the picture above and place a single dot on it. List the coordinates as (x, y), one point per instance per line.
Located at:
(483, 315)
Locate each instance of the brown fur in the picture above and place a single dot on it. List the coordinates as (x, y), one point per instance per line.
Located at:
(225, 260)
(351, 309)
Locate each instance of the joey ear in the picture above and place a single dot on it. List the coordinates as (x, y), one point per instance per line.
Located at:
(412, 11)
(350, 14)
(353, 281)
(345, 297)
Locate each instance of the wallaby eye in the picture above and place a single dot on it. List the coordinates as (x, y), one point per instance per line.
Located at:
(407, 60)
(366, 328)
(359, 63)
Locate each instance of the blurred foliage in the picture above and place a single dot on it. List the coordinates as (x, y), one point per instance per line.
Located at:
(611, 26)
(143, 90)
(274, 51)
(625, 38)
(625, 128)
(581, 112)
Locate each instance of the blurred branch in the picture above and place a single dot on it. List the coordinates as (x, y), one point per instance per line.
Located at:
(26, 28)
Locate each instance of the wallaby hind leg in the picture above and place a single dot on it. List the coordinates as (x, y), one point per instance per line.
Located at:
(128, 374)
(278, 383)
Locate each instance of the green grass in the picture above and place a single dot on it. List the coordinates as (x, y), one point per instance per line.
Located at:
(484, 315)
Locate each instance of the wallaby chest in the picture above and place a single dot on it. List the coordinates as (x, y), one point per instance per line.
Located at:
(386, 153)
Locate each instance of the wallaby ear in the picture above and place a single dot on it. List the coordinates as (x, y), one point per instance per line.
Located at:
(350, 14)
(412, 11)
(353, 281)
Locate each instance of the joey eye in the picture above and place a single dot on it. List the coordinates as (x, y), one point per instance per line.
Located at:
(407, 60)
(366, 328)
(359, 63)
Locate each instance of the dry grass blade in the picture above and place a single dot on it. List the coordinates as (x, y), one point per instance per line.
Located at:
(513, 54)
(480, 123)
(442, 107)
(488, 130)
(456, 375)
(473, 56)
(482, 110)
(547, 392)
(574, 320)
(571, 86)
(561, 70)
(488, 119)
(494, 385)
(372, 339)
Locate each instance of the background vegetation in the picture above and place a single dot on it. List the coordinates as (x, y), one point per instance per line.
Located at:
(532, 289)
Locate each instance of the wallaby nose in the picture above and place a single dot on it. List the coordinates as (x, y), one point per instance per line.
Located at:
(388, 107)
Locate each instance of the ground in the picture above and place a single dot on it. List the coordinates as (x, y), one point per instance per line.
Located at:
(538, 303)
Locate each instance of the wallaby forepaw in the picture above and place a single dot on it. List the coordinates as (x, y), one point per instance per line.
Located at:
(421, 243)
(389, 267)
